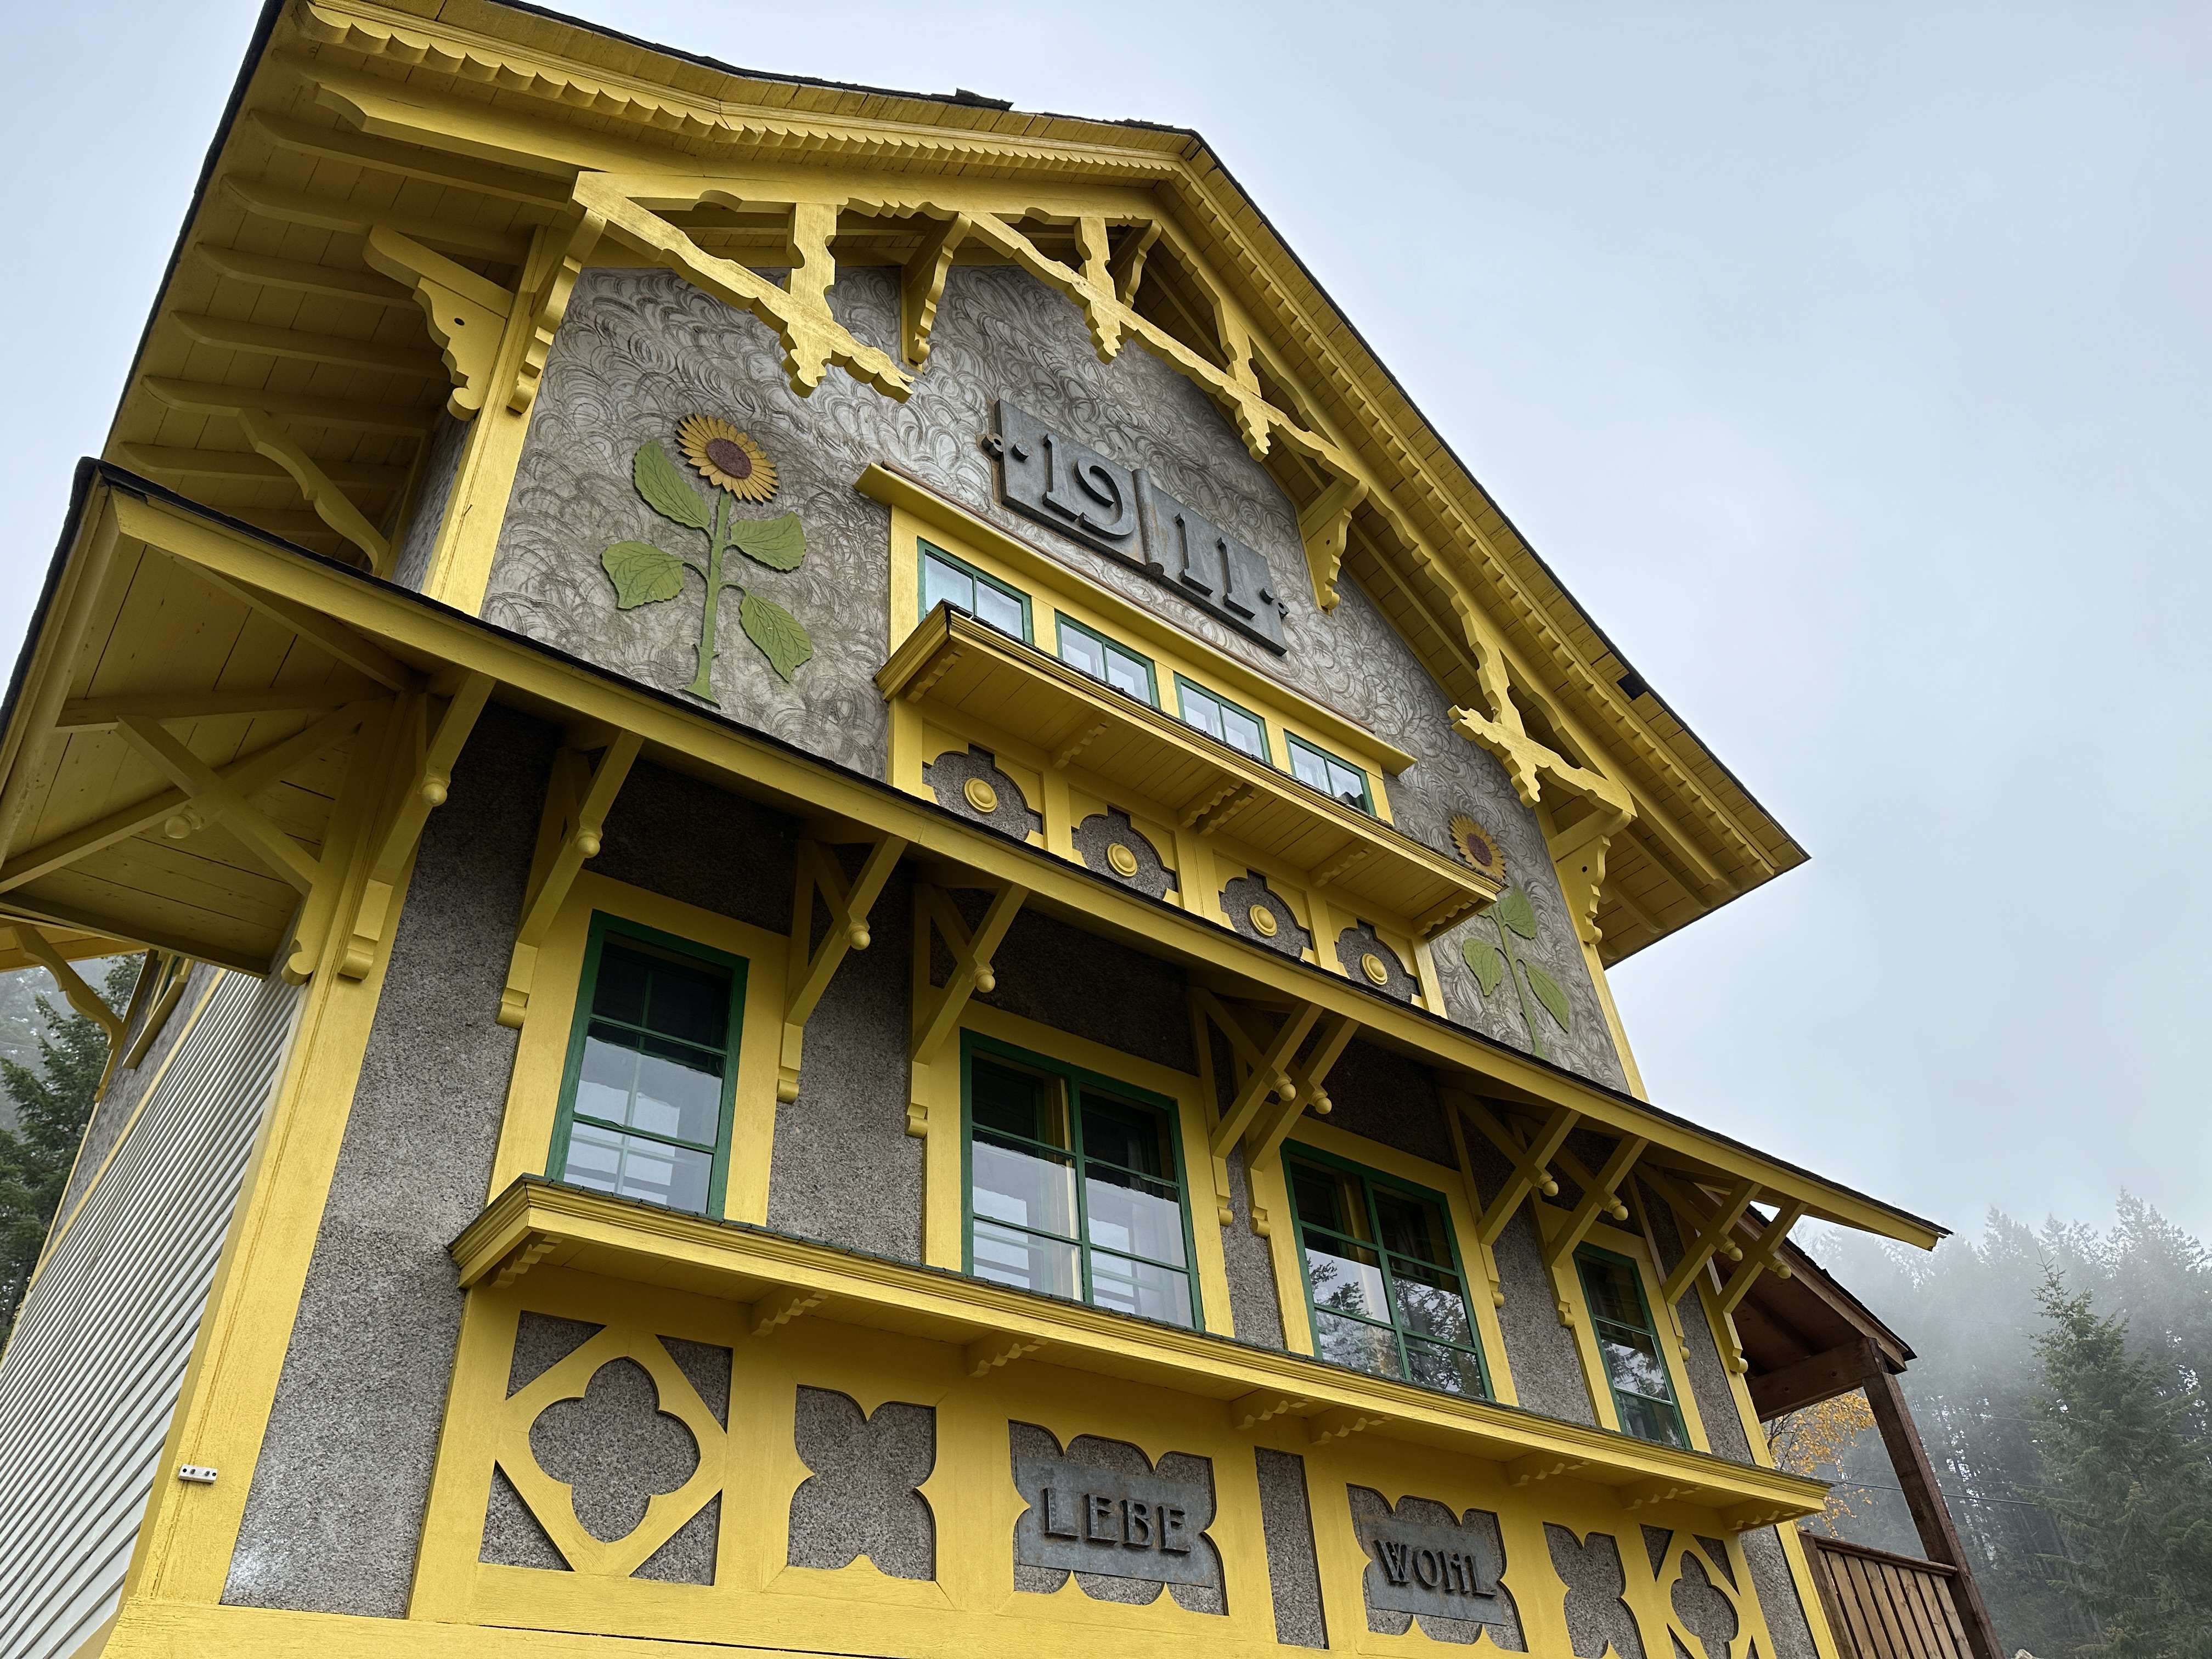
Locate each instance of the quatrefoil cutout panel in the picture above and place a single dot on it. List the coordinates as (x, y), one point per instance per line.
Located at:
(592, 1413)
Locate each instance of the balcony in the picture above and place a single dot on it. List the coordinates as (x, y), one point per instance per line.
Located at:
(535, 1222)
(995, 683)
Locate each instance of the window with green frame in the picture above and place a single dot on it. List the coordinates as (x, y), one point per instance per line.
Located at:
(1075, 1185)
(1218, 717)
(945, 578)
(1338, 778)
(1383, 1275)
(1100, 658)
(1620, 1319)
(653, 1067)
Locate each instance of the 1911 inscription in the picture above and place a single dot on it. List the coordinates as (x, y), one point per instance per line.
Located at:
(1441, 1571)
(1049, 477)
(1082, 1518)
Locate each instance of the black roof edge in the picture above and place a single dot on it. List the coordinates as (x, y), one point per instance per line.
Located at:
(131, 482)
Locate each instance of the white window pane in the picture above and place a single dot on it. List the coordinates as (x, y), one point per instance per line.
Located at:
(1202, 712)
(941, 581)
(1002, 611)
(1022, 1188)
(1347, 785)
(1244, 732)
(1310, 767)
(1084, 652)
(1125, 673)
(1024, 1260)
(1140, 1288)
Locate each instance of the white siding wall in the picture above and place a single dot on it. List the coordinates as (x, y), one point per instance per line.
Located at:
(91, 1374)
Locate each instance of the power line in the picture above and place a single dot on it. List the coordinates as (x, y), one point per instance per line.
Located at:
(1955, 1498)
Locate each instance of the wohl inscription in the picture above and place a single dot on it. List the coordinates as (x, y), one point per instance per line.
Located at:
(1438, 1571)
(1051, 478)
(1082, 1518)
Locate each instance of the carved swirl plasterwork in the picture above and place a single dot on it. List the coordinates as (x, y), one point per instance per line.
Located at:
(642, 349)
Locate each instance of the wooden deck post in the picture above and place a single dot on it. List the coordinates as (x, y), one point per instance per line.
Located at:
(1939, 1538)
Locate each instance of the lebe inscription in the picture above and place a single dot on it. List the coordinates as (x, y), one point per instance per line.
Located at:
(1049, 477)
(1082, 1518)
(1439, 1572)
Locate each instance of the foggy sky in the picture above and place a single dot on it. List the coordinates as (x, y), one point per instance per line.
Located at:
(1849, 364)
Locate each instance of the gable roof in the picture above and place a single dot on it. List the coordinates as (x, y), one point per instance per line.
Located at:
(287, 376)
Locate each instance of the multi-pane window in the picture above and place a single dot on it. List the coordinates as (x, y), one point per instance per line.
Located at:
(652, 1071)
(1383, 1277)
(1338, 778)
(1100, 658)
(1075, 1186)
(947, 579)
(1620, 1318)
(1219, 717)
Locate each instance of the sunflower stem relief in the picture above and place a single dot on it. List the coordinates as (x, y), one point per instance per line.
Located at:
(1514, 917)
(643, 574)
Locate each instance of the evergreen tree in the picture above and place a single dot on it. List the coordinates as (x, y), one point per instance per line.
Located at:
(2136, 1486)
(53, 1102)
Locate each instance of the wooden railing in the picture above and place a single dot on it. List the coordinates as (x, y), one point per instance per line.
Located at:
(1886, 1606)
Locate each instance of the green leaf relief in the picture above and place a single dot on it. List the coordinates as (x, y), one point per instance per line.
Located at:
(641, 574)
(779, 544)
(1489, 967)
(665, 491)
(1513, 910)
(1549, 994)
(777, 632)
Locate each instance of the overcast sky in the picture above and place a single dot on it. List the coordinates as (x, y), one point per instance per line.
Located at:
(1850, 364)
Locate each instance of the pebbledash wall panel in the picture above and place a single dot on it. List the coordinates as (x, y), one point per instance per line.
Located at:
(91, 1374)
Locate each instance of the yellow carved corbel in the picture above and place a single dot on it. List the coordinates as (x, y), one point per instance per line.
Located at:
(79, 995)
(921, 286)
(1326, 528)
(568, 833)
(1126, 268)
(467, 312)
(551, 306)
(810, 972)
(332, 505)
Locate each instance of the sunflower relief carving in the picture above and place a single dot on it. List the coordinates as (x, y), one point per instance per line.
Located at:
(644, 574)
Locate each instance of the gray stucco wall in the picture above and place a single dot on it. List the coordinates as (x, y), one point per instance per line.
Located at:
(641, 349)
(1293, 1570)
(1547, 1368)
(434, 491)
(1708, 1377)
(338, 1498)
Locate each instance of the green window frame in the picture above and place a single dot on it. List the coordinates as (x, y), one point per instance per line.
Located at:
(654, 1126)
(1221, 709)
(1054, 1210)
(987, 597)
(1118, 666)
(1635, 1360)
(1385, 1288)
(1333, 775)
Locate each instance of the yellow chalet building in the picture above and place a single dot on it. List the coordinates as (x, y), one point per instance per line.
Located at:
(877, 912)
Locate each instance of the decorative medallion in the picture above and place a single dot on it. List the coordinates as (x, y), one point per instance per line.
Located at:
(727, 458)
(643, 574)
(1477, 846)
(1263, 920)
(981, 795)
(1125, 861)
(1374, 967)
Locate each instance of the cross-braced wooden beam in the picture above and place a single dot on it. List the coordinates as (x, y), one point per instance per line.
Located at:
(810, 972)
(1598, 1199)
(577, 799)
(1711, 1229)
(210, 795)
(1528, 1176)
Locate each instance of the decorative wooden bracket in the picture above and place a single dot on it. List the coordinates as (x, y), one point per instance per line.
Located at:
(550, 304)
(568, 832)
(1342, 1423)
(1578, 859)
(524, 1256)
(1660, 1489)
(1262, 1072)
(1529, 1174)
(82, 997)
(428, 776)
(1126, 268)
(1530, 764)
(210, 795)
(1539, 1467)
(1274, 1125)
(812, 338)
(937, 1009)
(1263, 1404)
(922, 287)
(779, 1308)
(467, 312)
(1713, 1228)
(1597, 1200)
(987, 1354)
(809, 975)
(1326, 527)
(1762, 1257)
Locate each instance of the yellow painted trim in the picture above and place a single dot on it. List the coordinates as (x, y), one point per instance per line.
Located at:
(701, 744)
(533, 1092)
(920, 513)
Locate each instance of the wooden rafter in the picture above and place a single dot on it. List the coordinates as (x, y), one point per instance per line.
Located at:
(207, 792)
